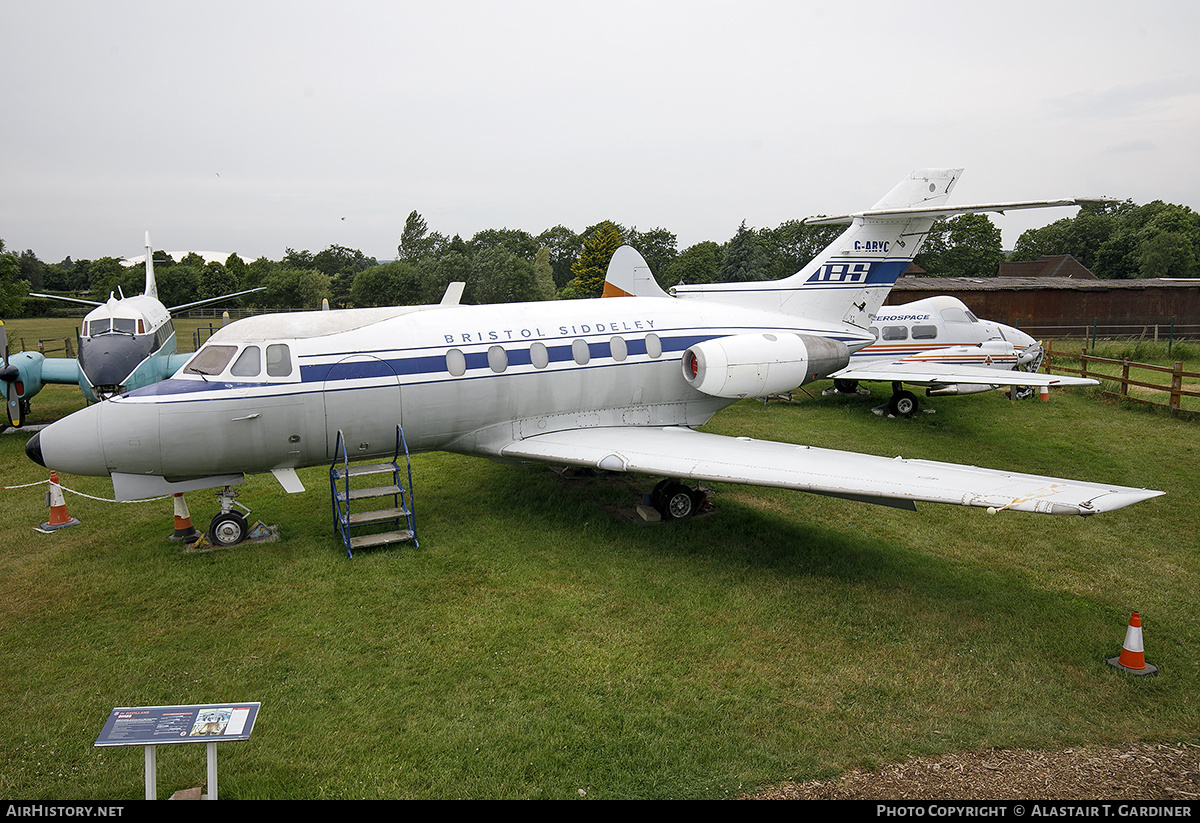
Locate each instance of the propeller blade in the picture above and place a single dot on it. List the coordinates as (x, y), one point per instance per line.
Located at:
(12, 395)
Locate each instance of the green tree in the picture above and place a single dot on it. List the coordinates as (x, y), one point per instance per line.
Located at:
(591, 266)
(564, 246)
(215, 281)
(658, 247)
(416, 241)
(12, 288)
(696, 264)
(499, 276)
(743, 259)
(791, 245)
(177, 284)
(515, 241)
(543, 275)
(396, 283)
(968, 245)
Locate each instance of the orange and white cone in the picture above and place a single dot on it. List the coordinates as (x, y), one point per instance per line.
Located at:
(59, 518)
(184, 530)
(1044, 394)
(1133, 655)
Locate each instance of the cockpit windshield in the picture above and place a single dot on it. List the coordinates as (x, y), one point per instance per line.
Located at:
(213, 359)
(210, 360)
(112, 325)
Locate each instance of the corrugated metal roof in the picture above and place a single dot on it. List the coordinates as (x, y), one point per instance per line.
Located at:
(959, 284)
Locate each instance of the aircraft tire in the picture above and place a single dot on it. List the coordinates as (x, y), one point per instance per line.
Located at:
(846, 386)
(677, 502)
(228, 529)
(903, 404)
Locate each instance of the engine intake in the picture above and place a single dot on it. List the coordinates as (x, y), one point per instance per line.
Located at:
(754, 365)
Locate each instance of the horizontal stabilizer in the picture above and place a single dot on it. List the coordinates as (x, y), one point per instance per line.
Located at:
(938, 212)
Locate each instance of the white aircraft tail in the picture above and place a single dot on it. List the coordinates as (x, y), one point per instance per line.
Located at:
(849, 280)
(151, 289)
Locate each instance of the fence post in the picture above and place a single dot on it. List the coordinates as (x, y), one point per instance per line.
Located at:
(1125, 378)
(1083, 362)
(1176, 384)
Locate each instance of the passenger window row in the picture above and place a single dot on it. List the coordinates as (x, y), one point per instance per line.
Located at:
(539, 356)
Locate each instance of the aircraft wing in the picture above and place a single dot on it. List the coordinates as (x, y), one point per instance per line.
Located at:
(932, 373)
(684, 453)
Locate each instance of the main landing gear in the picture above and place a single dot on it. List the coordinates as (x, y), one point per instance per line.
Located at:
(902, 403)
(677, 501)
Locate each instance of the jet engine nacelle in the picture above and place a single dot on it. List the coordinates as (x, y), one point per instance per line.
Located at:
(755, 365)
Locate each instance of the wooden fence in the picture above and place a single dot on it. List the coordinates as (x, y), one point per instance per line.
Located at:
(1109, 370)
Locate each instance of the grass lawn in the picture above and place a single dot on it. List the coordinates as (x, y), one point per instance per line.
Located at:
(540, 644)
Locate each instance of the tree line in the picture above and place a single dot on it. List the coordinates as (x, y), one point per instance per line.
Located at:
(1113, 239)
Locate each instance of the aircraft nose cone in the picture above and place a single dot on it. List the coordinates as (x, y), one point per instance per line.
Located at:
(33, 449)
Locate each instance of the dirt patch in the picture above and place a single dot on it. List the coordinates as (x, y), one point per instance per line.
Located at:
(1134, 772)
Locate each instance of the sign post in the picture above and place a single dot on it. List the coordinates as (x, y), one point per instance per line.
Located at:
(154, 726)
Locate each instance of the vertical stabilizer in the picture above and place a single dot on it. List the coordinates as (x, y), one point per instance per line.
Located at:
(849, 280)
(628, 275)
(151, 289)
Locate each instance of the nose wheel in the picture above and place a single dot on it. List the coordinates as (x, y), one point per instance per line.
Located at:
(228, 527)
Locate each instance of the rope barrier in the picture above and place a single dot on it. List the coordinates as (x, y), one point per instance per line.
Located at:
(88, 496)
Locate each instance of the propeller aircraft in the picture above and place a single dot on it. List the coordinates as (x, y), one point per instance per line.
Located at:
(125, 343)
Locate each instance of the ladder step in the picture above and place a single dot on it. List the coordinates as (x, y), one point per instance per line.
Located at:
(380, 516)
(366, 468)
(365, 494)
(381, 539)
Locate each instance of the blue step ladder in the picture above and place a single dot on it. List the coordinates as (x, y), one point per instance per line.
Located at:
(397, 520)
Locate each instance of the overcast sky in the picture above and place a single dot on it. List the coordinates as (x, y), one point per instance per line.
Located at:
(254, 127)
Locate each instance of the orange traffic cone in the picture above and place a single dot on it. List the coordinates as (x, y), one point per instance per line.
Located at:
(59, 519)
(1045, 394)
(184, 530)
(1133, 655)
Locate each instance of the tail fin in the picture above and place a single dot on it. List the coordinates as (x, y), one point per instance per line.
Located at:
(151, 289)
(629, 276)
(850, 279)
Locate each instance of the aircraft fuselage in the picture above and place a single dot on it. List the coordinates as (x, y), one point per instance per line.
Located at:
(272, 391)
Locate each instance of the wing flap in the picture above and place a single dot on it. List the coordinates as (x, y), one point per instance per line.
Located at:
(684, 453)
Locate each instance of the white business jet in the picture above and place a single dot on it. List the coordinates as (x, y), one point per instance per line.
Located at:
(124, 344)
(940, 344)
(936, 342)
(619, 385)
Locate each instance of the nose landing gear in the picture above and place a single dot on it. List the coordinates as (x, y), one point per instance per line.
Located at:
(228, 527)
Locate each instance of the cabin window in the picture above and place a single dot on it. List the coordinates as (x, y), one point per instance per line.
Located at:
(539, 356)
(874, 331)
(210, 360)
(279, 360)
(618, 349)
(895, 332)
(580, 351)
(497, 359)
(248, 364)
(653, 346)
(456, 363)
(924, 332)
